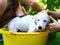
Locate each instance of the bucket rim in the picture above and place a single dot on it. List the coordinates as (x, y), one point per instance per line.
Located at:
(2, 31)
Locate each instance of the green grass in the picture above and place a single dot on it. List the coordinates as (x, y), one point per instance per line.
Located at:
(1, 43)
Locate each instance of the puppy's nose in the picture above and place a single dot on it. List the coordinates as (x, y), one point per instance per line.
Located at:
(39, 27)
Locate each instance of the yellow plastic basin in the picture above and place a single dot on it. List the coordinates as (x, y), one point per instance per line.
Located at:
(23, 38)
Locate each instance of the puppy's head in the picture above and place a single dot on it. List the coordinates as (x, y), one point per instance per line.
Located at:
(42, 20)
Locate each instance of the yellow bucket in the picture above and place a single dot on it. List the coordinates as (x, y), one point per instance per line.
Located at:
(23, 38)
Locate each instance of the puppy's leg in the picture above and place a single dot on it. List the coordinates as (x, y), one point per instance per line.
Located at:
(12, 28)
(32, 27)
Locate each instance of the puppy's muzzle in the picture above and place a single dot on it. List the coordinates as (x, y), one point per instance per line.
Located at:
(40, 27)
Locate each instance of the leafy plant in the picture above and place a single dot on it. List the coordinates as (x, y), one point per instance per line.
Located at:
(51, 4)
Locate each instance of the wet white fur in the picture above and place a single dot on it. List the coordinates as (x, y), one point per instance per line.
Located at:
(27, 24)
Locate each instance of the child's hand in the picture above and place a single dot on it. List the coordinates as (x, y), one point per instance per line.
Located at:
(55, 26)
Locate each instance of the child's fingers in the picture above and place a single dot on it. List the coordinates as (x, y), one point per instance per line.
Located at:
(53, 19)
(51, 25)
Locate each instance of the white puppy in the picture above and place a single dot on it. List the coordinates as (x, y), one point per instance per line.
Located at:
(28, 24)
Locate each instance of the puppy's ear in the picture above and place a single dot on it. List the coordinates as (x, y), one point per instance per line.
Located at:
(34, 17)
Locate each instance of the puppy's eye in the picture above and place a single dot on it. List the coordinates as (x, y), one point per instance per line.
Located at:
(45, 21)
(38, 20)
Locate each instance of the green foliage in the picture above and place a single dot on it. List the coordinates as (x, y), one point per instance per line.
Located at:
(51, 4)
(32, 11)
(47, 5)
